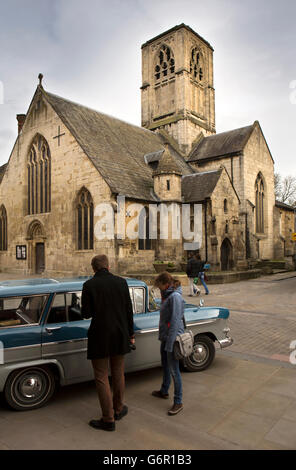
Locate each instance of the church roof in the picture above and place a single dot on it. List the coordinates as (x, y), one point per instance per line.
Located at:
(222, 144)
(115, 147)
(199, 186)
(167, 164)
(283, 205)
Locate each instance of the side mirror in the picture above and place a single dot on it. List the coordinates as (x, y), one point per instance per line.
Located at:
(201, 302)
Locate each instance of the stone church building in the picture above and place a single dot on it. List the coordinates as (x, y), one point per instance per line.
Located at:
(68, 159)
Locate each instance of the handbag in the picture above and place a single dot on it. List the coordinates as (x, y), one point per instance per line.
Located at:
(183, 345)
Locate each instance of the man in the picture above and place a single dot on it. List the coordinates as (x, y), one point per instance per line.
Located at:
(106, 299)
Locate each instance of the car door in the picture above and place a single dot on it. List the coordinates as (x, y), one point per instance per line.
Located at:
(147, 353)
(20, 329)
(64, 336)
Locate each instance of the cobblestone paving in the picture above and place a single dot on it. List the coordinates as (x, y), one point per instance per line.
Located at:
(263, 314)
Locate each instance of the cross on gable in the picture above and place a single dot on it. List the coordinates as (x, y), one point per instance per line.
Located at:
(59, 135)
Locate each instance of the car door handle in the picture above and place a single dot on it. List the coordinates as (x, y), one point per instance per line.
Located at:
(54, 328)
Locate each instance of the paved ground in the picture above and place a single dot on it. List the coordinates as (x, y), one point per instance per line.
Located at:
(246, 400)
(263, 314)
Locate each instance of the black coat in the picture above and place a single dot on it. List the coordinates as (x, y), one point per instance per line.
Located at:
(106, 299)
(194, 267)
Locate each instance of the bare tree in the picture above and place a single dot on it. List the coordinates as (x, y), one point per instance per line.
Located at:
(285, 189)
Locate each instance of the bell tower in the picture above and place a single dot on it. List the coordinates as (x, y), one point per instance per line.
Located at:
(177, 85)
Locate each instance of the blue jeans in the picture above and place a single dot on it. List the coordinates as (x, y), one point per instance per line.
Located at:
(171, 367)
(201, 276)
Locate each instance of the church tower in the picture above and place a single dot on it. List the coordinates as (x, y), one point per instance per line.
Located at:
(177, 85)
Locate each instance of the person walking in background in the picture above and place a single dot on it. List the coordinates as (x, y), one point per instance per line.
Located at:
(106, 299)
(195, 269)
(201, 274)
(170, 325)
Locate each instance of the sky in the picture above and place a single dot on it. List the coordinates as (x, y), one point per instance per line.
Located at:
(90, 52)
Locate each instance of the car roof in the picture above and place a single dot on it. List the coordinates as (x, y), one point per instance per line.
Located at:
(32, 286)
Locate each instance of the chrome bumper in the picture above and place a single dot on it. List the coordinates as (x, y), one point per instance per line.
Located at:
(224, 343)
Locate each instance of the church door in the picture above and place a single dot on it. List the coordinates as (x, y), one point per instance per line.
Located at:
(226, 255)
(40, 258)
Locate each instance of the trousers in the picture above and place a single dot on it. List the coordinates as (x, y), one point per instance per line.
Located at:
(110, 404)
(170, 367)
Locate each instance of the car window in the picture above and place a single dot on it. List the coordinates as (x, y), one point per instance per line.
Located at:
(65, 307)
(21, 310)
(139, 298)
(153, 305)
(131, 291)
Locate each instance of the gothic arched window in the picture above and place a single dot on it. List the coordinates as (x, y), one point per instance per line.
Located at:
(39, 177)
(225, 206)
(196, 65)
(85, 220)
(259, 198)
(3, 229)
(165, 64)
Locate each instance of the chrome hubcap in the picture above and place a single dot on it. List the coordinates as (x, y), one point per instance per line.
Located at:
(200, 353)
(31, 387)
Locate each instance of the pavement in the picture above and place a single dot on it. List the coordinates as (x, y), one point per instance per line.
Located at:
(245, 400)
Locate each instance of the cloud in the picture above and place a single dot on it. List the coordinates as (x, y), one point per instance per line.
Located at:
(90, 52)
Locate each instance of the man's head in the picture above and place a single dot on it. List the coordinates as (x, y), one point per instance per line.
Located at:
(99, 262)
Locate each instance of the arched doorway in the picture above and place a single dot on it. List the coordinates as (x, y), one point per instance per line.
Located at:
(226, 255)
(36, 240)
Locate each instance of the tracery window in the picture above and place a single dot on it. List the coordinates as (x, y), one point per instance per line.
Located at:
(196, 66)
(259, 198)
(39, 176)
(165, 65)
(3, 229)
(85, 220)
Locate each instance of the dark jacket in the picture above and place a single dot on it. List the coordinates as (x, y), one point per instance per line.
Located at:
(106, 299)
(194, 267)
(171, 317)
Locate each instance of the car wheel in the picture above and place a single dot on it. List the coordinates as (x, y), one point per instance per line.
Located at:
(202, 356)
(28, 389)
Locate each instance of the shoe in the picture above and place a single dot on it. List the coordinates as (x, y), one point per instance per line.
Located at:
(159, 394)
(124, 411)
(207, 293)
(104, 425)
(176, 408)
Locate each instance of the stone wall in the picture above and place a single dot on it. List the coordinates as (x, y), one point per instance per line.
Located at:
(257, 159)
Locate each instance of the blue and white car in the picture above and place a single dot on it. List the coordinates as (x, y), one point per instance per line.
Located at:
(43, 337)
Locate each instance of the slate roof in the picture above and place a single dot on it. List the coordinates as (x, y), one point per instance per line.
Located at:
(2, 171)
(222, 144)
(167, 164)
(285, 206)
(199, 186)
(115, 147)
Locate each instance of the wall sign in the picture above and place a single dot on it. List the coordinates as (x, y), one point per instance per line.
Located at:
(21, 251)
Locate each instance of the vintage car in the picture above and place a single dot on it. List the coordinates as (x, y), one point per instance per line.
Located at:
(43, 337)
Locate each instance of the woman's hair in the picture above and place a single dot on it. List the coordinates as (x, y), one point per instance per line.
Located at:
(166, 278)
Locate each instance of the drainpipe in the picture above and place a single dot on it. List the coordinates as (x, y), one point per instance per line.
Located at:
(206, 230)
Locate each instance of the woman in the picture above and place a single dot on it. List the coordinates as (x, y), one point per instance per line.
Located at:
(170, 325)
